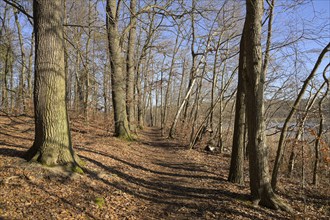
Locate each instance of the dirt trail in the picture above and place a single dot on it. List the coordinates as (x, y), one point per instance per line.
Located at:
(151, 178)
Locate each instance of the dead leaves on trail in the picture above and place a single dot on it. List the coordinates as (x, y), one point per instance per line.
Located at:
(151, 178)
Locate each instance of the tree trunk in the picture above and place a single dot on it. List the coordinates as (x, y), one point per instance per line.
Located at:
(9, 59)
(181, 84)
(30, 69)
(130, 64)
(298, 138)
(169, 81)
(320, 131)
(261, 191)
(117, 73)
(52, 143)
(236, 170)
(20, 103)
(280, 148)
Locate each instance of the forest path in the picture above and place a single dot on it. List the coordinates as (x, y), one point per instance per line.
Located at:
(150, 178)
(180, 183)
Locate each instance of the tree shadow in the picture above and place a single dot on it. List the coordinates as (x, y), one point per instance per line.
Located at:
(10, 152)
(198, 200)
(14, 136)
(62, 199)
(183, 166)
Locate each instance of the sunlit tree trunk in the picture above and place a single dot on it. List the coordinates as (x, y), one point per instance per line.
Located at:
(52, 143)
(9, 59)
(30, 69)
(20, 103)
(254, 79)
(237, 155)
(130, 66)
(117, 73)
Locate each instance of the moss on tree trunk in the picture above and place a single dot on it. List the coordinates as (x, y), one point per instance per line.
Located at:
(52, 142)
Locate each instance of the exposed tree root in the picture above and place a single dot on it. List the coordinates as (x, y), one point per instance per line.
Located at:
(272, 201)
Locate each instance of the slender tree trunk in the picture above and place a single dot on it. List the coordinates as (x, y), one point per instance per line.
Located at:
(191, 86)
(139, 100)
(7, 69)
(193, 59)
(11, 86)
(181, 83)
(169, 82)
(280, 148)
(177, 115)
(52, 143)
(21, 87)
(298, 138)
(130, 64)
(320, 131)
(86, 77)
(30, 69)
(236, 170)
(106, 90)
(221, 103)
(214, 81)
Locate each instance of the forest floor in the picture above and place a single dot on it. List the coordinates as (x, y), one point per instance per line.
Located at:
(150, 178)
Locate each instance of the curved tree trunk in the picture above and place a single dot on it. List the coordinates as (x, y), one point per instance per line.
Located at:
(280, 148)
(52, 142)
(300, 131)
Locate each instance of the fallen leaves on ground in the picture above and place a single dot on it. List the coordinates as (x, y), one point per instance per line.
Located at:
(150, 178)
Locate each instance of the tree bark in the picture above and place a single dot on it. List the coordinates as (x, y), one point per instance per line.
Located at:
(130, 66)
(20, 102)
(237, 155)
(320, 131)
(52, 142)
(9, 59)
(117, 74)
(254, 79)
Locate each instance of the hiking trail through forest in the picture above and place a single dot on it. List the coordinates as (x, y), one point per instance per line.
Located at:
(150, 178)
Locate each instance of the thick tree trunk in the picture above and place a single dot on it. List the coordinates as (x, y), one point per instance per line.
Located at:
(52, 142)
(117, 73)
(261, 191)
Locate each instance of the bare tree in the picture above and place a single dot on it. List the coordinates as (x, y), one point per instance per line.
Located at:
(254, 78)
(130, 66)
(117, 74)
(280, 148)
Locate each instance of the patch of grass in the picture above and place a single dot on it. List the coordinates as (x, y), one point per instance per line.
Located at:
(77, 169)
(99, 201)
